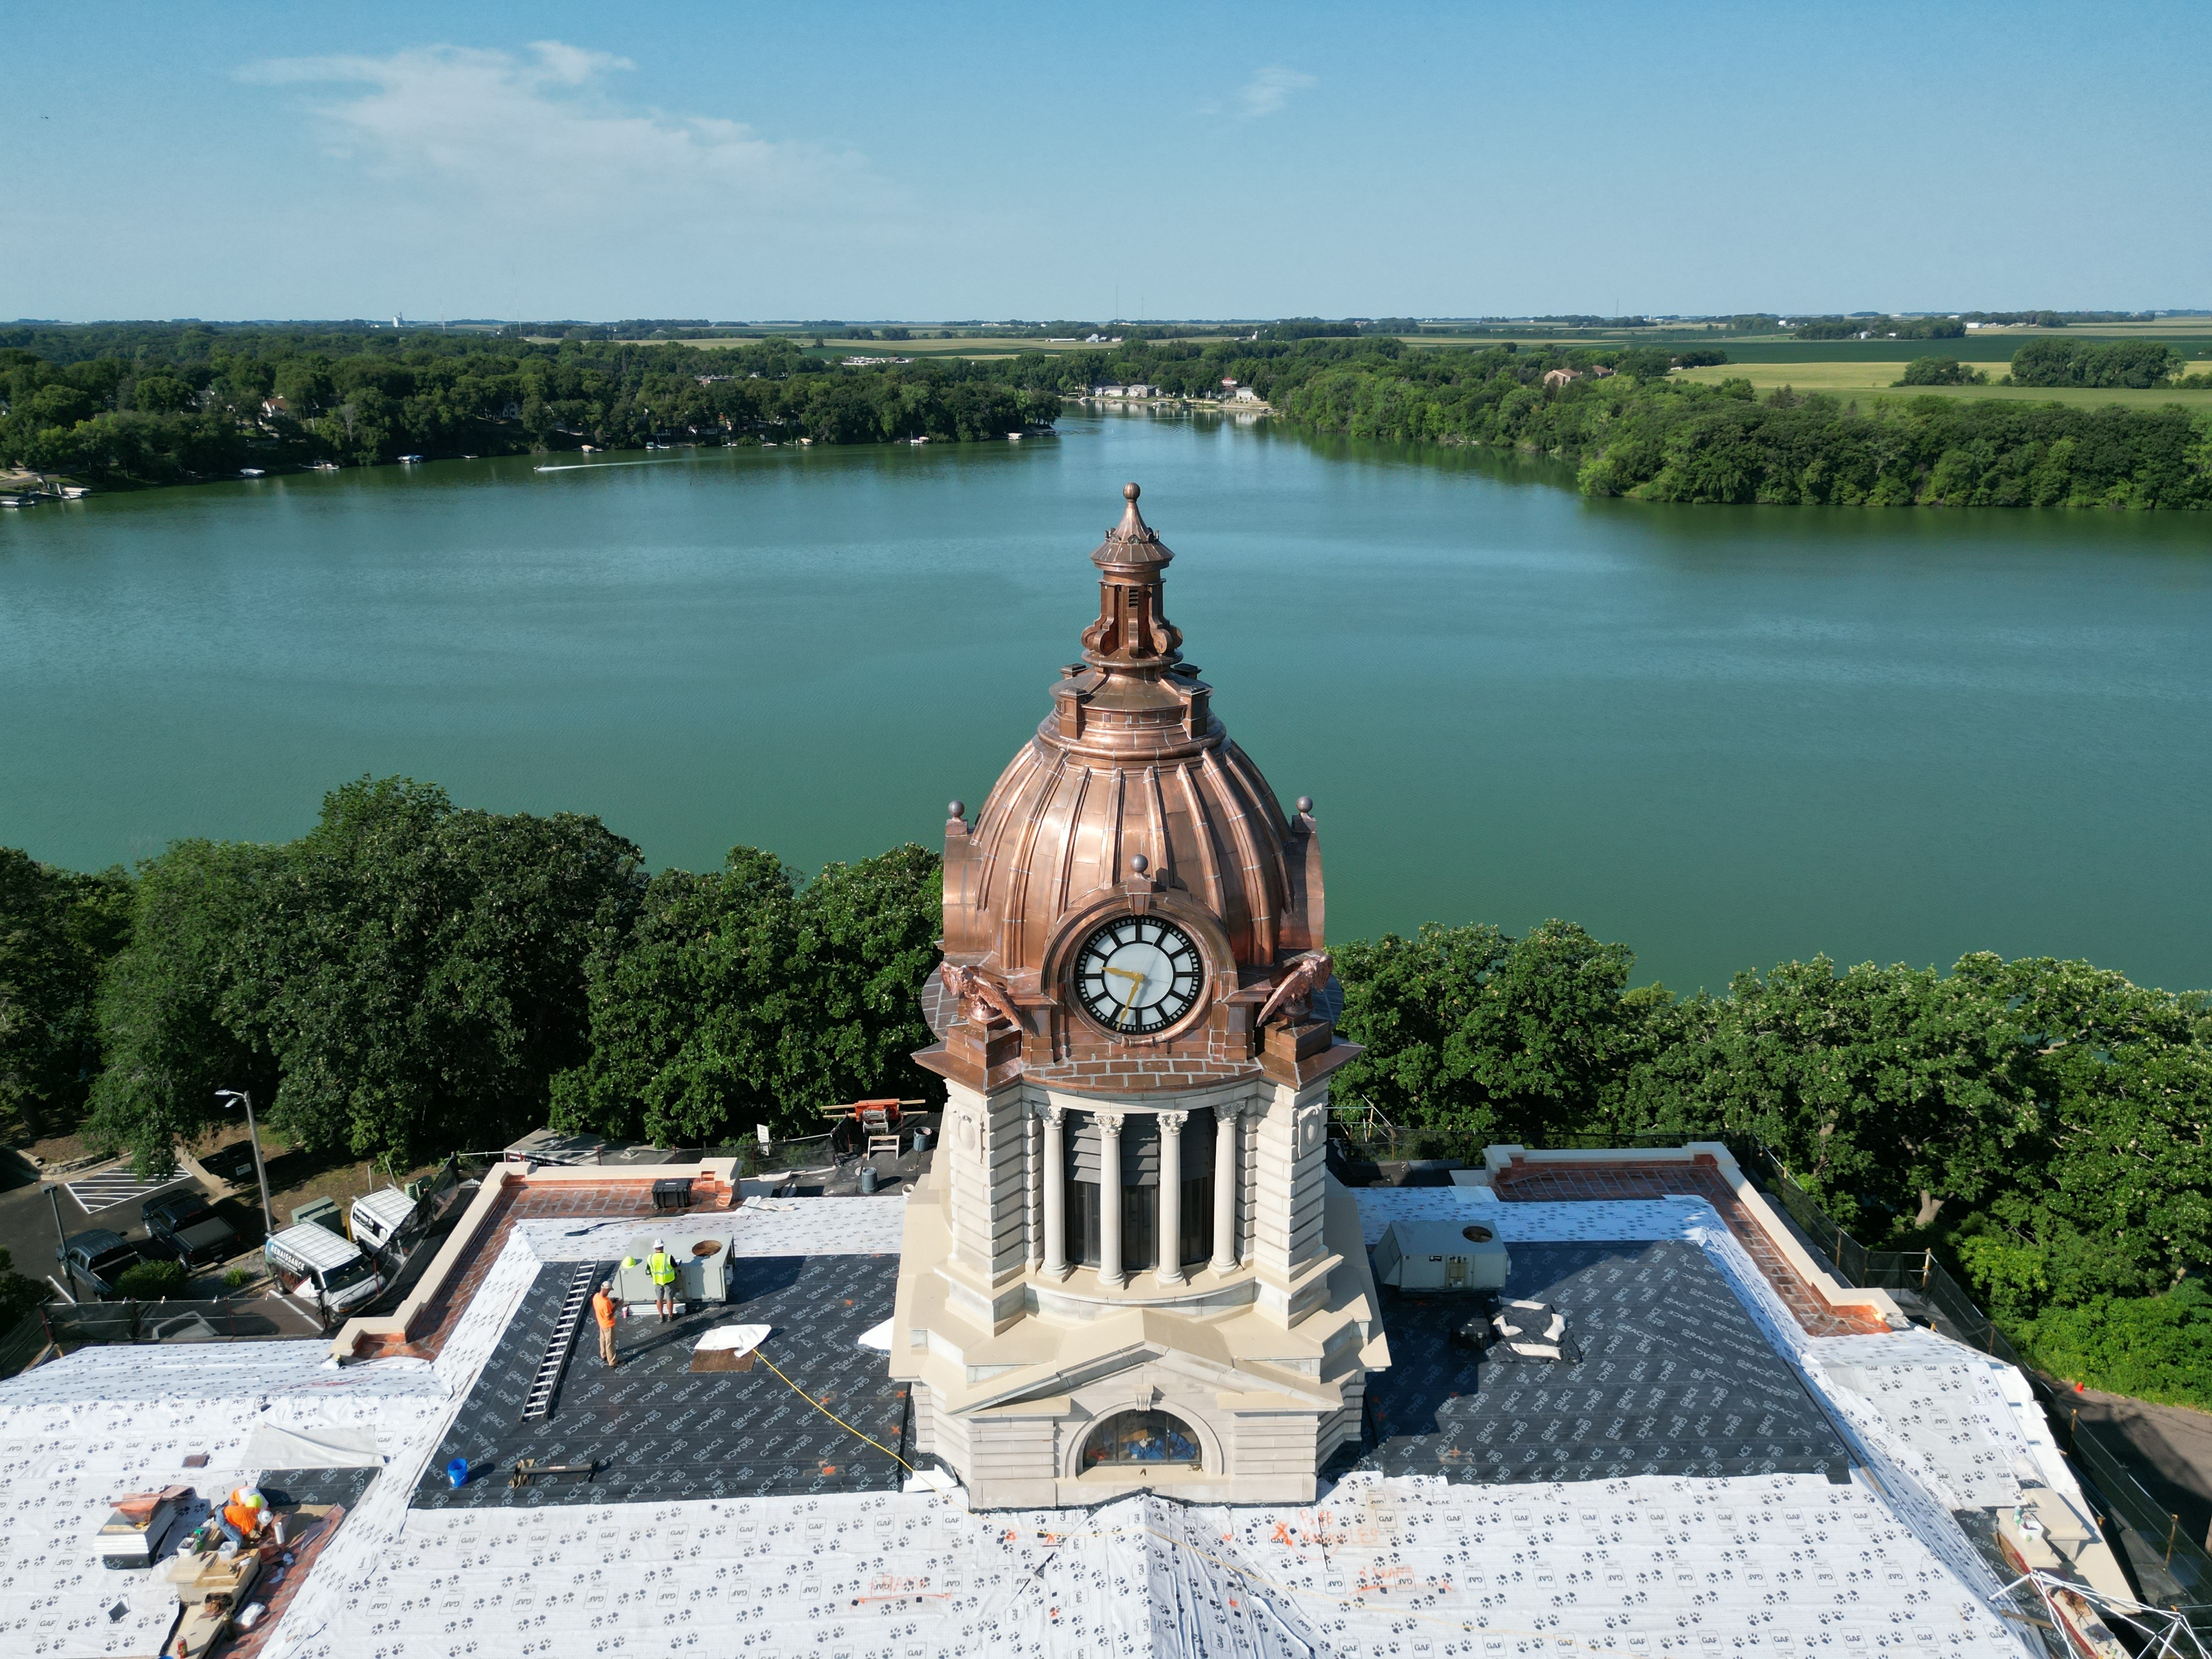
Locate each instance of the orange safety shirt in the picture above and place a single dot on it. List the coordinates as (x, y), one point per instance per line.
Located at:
(603, 1305)
(240, 1516)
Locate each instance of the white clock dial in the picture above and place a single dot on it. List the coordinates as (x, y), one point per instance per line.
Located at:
(1138, 975)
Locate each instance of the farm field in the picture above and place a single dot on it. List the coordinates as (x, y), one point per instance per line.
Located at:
(1865, 377)
(1978, 348)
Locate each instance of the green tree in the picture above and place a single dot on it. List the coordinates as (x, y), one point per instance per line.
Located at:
(689, 1009)
(2154, 1347)
(58, 929)
(1488, 1038)
(867, 939)
(176, 1020)
(417, 972)
(2115, 1189)
(740, 998)
(1941, 371)
(163, 394)
(153, 1280)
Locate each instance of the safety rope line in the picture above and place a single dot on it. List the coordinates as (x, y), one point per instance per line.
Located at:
(833, 1416)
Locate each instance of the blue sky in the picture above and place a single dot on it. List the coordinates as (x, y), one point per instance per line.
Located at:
(861, 161)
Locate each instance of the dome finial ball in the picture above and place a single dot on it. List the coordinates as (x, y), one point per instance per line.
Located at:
(1130, 492)
(1139, 863)
(956, 808)
(1305, 803)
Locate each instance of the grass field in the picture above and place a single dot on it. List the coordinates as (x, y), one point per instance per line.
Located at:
(1865, 378)
(1978, 348)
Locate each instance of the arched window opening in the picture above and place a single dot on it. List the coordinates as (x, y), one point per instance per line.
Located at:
(1142, 1439)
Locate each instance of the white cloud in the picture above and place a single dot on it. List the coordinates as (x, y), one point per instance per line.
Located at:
(1270, 89)
(523, 133)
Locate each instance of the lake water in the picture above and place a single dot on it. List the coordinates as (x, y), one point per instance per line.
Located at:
(1725, 736)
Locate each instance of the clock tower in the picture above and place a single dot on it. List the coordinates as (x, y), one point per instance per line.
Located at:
(1128, 1266)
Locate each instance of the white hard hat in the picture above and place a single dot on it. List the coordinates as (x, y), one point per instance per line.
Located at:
(659, 1243)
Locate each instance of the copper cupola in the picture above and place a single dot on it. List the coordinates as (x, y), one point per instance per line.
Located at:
(1133, 797)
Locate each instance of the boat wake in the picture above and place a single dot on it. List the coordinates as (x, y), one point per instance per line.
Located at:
(593, 466)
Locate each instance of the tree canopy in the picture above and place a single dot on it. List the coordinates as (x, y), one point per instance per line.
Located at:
(744, 996)
(155, 406)
(2140, 363)
(405, 978)
(413, 977)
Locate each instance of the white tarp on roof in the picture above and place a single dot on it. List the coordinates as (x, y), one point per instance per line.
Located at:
(1775, 1567)
(324, 1446)
(758, 1227)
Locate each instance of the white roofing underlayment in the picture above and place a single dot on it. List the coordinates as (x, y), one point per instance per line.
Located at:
(1411, 1568)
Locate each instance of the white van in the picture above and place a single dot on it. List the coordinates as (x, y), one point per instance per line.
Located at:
(384, 1220)
(316, 1264)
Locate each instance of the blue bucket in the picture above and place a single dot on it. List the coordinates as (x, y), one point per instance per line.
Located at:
(458, 1471)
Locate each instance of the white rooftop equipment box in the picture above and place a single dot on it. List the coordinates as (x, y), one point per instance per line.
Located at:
(1441, 1256)
(702, 1262)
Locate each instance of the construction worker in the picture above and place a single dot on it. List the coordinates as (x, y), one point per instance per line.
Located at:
(243, 1516)
(603, 1311)
(661, 1266)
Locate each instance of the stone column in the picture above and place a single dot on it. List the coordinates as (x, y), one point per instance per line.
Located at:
(1109, 1198)
(1055, 1191)
(1228, 1179)
(1170, 1210)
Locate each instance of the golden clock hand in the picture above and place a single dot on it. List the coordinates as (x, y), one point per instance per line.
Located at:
(1122, 1018)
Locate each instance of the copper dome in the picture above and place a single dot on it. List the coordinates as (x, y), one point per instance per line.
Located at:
(1130, 795)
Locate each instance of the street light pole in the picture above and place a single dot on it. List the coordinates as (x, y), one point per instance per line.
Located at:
(61, 1235)
(260, 1171)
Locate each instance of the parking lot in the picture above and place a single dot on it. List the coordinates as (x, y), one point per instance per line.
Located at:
(108, 1197)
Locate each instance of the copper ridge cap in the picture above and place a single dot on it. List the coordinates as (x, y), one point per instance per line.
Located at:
(1132, 542)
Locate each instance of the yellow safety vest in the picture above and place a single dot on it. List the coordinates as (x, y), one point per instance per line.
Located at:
(662, 1266)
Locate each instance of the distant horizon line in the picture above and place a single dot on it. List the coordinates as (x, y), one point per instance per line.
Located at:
(1552, 320)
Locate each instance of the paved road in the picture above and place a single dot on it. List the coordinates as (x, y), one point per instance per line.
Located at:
(2173, 1451)
(27, 1219)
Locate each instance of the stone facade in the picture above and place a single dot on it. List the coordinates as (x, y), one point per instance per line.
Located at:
(1128, 1266)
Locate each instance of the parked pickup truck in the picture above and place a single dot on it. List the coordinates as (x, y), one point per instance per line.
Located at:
(92, 1261)
(187, 1226)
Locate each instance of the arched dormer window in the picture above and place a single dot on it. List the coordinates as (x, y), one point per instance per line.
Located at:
(1141, 1440)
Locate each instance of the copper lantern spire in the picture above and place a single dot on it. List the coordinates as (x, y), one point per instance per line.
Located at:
(1131, 792)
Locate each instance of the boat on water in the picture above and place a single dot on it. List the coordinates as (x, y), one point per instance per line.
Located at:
(75, 492)
(17, 501)
(409, 460)
(326, 466)
(251, 473)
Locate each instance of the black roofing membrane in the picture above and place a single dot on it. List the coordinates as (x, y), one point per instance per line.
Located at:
(1674, 1379)
(658, 1430)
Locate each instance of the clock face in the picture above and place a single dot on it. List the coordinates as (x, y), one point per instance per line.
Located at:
(1139, 974)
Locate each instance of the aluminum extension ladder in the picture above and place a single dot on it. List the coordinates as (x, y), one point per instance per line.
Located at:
(565, 1327)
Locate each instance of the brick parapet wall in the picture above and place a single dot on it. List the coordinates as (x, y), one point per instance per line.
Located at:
(518, 1190)
(1820, 1303)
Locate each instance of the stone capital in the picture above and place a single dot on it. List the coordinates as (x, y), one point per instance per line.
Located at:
(1173, 1120)
(1228, 1111)
(1051, 1112)
(1110, 1124)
